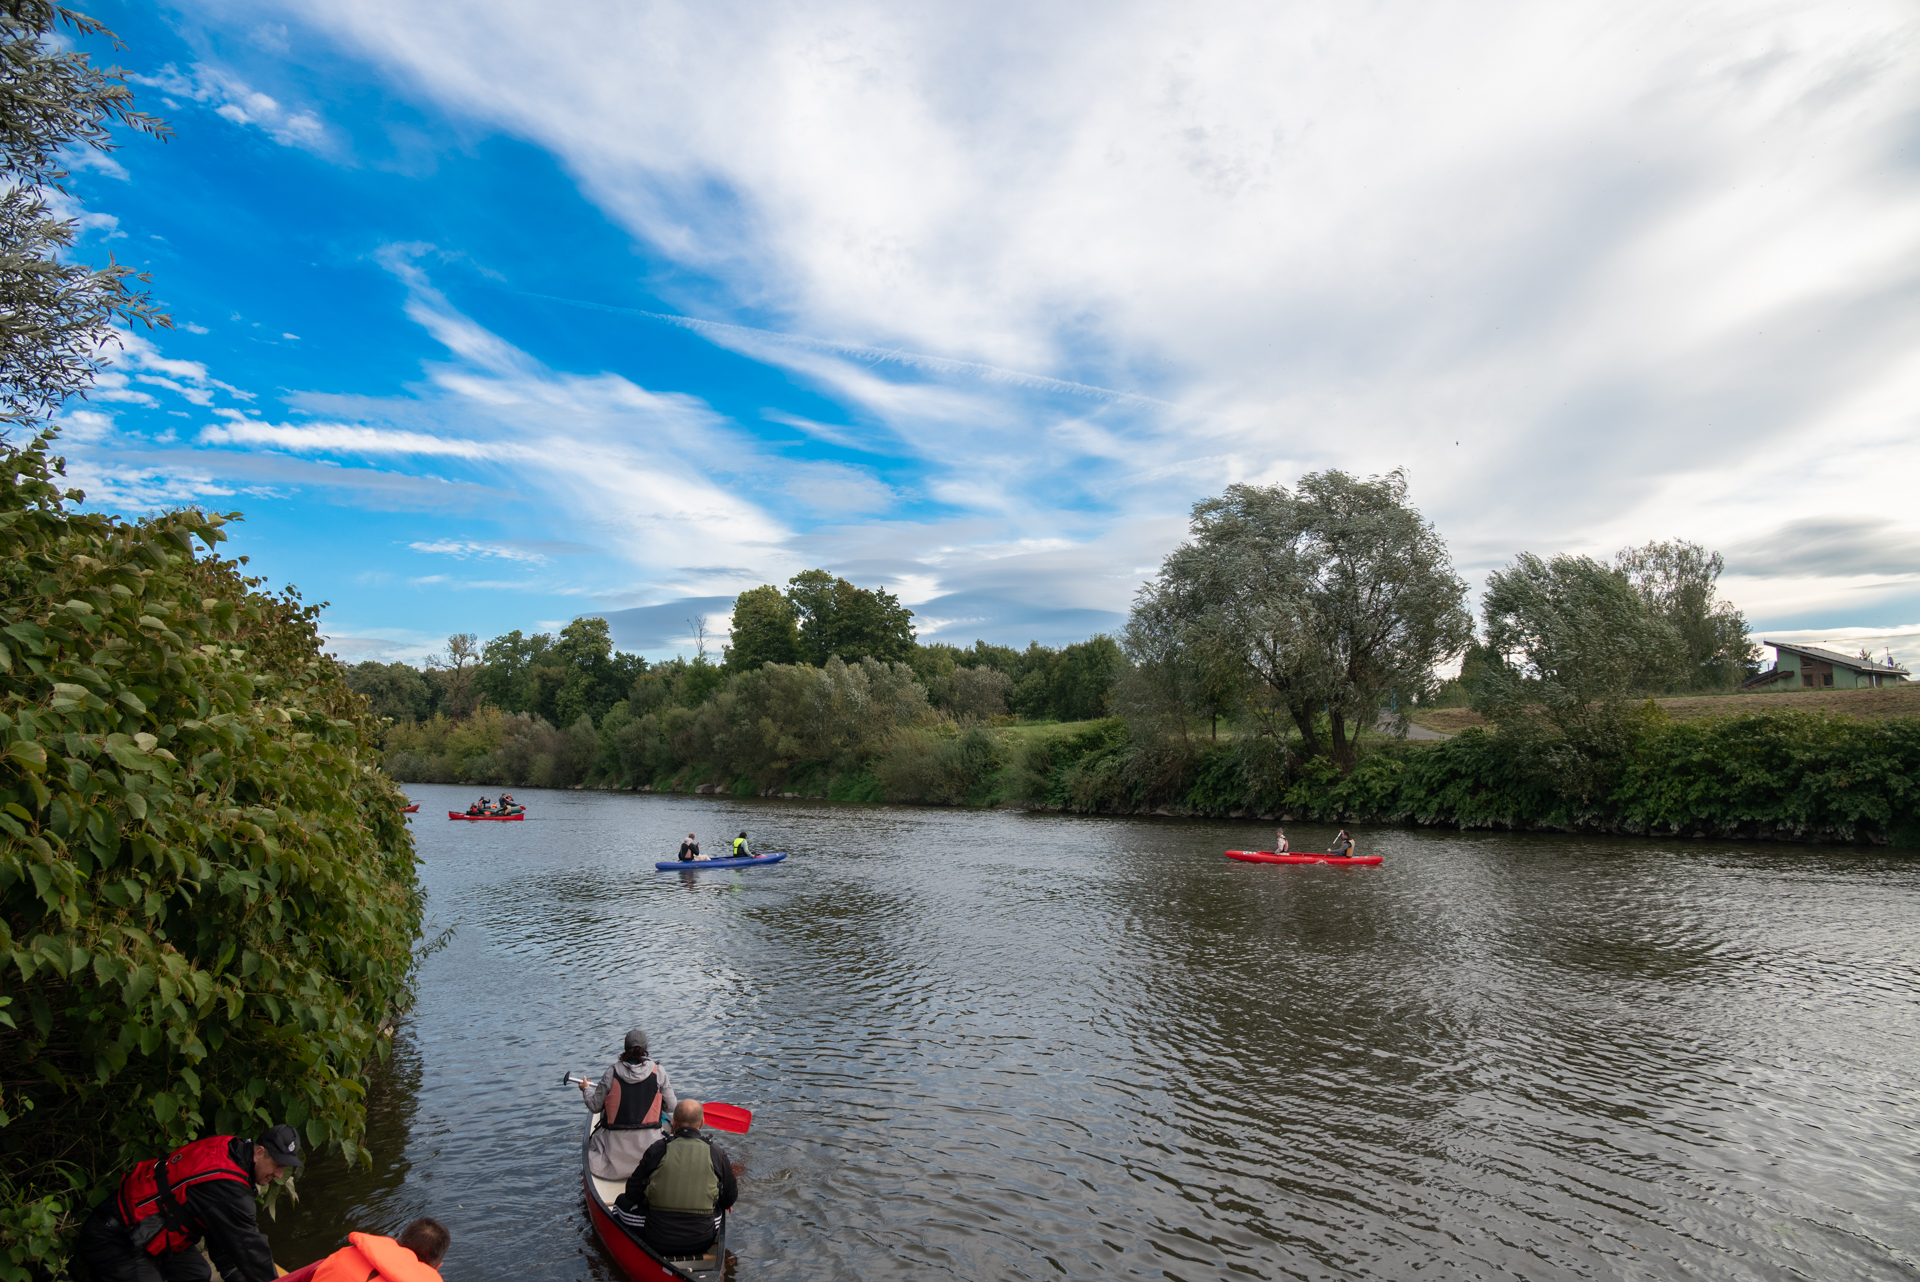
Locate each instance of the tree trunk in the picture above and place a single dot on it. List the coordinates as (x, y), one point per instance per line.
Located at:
(1340, 747)
(1307, 718)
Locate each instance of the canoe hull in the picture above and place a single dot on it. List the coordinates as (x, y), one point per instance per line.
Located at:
(695, 865)
(411, 809)
(455, 814)
(635, 1258)
(1301, 857)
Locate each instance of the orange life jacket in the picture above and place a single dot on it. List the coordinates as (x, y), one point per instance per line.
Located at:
(368, 1256)
(141, 1196)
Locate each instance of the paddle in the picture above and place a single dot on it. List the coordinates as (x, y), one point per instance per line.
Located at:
(721, 1117)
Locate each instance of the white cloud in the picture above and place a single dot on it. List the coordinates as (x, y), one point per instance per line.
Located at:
(233, 99)
(1647, 265)
(192, 328)
(463, 549)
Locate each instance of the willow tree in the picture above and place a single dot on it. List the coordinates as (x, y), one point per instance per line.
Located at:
(1332, 598)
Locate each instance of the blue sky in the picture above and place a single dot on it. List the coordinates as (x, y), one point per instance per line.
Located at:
(490, 315)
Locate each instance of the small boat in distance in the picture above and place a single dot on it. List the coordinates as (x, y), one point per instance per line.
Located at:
(691, 865)
(410, 809)
(640, 1261)
(1301, 857)
(461, 814)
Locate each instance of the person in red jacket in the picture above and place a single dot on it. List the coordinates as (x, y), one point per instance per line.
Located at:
(148, 1230)
(414, 1256)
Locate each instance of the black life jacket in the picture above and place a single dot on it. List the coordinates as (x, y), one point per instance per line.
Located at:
(632, 1106)
(152, 1198)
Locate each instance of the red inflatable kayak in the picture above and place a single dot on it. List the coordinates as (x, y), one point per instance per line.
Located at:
(411, 809)
(1300, 857)
(455, 814)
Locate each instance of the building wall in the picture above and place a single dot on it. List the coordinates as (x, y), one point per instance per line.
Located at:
(1843, 678)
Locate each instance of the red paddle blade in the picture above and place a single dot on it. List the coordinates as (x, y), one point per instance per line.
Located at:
(726, 1117)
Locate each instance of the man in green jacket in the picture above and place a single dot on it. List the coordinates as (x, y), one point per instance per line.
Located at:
(679, 1195)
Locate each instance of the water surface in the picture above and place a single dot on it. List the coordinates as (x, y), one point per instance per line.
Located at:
(991, 1045)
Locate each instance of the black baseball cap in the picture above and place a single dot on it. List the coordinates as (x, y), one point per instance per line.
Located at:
(636, 1039)
(282, 1143)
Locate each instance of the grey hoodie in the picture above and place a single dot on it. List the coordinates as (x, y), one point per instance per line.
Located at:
(613, 1155)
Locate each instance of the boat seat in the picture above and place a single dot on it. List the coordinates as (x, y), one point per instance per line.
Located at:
(609, 1189)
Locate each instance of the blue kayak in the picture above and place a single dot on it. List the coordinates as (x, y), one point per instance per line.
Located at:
(691, 865)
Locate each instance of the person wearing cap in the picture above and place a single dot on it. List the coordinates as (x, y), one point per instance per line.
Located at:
(682, 1188)
(634, 1099)
(165, 1207)
(414, 1256)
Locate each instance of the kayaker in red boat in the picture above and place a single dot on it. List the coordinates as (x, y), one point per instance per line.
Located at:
(684, 1185)
(209, 1188)
(634, 1100)
(1342, 846)
(1280, 841)
(414, 1256)
(689, 849)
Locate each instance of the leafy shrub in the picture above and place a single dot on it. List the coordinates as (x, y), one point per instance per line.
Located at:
(208, 887)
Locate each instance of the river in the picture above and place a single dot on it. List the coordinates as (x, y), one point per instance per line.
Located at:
(987, 1045)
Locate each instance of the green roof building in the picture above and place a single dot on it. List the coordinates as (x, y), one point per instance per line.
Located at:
(1808, 667)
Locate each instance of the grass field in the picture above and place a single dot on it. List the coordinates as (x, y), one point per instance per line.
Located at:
(1864, 705)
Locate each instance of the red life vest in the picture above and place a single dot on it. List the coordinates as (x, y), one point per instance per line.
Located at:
(632, 1106)
(155, 1190)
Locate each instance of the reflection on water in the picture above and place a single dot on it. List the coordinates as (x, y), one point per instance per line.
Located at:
(995, 1045)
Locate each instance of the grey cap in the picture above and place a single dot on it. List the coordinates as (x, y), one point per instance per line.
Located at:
(282, 1143)
(636, 1039)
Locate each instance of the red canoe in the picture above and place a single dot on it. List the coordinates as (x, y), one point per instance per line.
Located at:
(641, 1262)
(455, 814)
(1300, 857)
(410, 809)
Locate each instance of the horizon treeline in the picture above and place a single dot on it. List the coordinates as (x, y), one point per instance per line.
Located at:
(1312, 618)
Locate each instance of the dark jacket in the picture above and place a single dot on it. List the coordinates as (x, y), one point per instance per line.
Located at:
(689, 850)
(677, 1231)
(220, 1212)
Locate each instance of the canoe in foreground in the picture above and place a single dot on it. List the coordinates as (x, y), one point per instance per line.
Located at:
(457, 814)
(692, 865)
(640, 1261)
(1300, 857)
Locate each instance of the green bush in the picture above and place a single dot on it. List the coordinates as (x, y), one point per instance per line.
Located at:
(209, 898)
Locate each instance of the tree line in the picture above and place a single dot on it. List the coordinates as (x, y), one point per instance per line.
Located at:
(561, 677)
(1312, 618)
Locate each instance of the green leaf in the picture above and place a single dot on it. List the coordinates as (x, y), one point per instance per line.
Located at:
(139, 983)
(165, 1106)
(27, 755)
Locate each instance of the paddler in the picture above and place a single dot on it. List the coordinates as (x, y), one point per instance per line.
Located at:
(689, 849)
(741, 850)
(634, 1099)
(1342, 846)
(414, 1256)
(1280, 841)
(152, 1227)
(683, 1188)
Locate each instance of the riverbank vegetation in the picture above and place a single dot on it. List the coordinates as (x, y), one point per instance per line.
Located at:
(207, 898)
(1266, 671)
